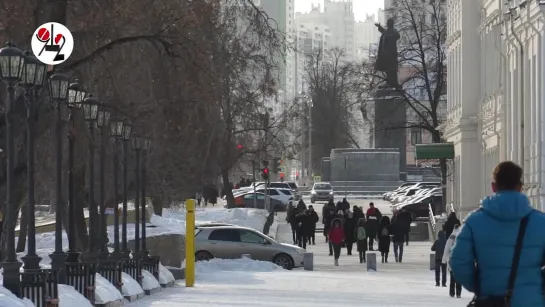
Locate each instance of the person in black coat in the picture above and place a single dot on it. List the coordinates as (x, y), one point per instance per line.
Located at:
(328, 214)
(345, 205)
(373, 218)
(314, 219)
(349, 224)
(398, 236)
(358, 213)
(405, 219)
(384, 231)
(292, 219)
(452, 220)
(339, 206)
(304, 222)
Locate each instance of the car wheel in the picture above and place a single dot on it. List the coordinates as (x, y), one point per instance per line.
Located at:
(203, 256)
(284, 261)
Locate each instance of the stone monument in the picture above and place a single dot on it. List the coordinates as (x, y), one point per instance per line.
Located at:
(387, 54)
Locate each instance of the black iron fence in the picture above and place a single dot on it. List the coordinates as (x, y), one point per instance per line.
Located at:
(82, 277)
(133, 268)
(41, 287)
(151, 264)
(111, 270)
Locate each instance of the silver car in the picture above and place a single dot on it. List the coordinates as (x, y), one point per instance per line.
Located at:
(321, 191)
(231, 242)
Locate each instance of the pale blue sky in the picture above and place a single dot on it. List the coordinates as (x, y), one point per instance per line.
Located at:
(361, 7)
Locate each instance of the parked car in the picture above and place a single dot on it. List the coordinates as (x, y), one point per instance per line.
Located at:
(321, 191)
(411, 190)
(420, 208)
(231, 242)
(386, 195)
(283, 195)
(247, 201)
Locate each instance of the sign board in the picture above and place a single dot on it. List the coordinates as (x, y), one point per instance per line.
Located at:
(109, 211)
(317, 178)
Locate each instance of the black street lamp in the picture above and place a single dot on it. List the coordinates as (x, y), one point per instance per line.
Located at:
(58, 89)
(76, 95)
(11, 64)
(137, 146)
(32, 79)
(90, 112)
(127, 129)
(146, 148)
(103, 121)
(116, 132)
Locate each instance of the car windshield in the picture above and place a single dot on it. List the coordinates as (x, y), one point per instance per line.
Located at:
(292, 185)
(279, 185)
(322, 186)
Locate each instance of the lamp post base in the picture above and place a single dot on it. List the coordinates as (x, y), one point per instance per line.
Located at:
(73, 256)
(139, 255)
(12, 277)
(116, 256)
(103, 255)
(58, 263)
(88, 257)
(31, 262)
(126, 255)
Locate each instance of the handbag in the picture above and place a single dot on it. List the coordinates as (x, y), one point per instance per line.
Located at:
(501, 301)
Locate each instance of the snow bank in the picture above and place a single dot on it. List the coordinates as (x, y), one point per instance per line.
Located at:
(165, 276)
(130, 286)
(148, 281)
(69, 297)
(235, 265)
(8, 299)
(105, 292)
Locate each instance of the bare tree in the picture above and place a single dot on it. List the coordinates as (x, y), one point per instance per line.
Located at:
(422, 69)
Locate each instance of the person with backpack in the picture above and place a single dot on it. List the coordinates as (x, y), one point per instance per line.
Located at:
(455, 288)
(361, 239)
(495, 256)
(440, 269)
(384, 231)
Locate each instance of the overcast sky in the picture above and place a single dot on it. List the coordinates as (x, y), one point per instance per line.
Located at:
(361, 7)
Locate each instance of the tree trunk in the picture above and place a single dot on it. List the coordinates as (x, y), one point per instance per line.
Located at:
(23, 229)
(228, 191)
(157, 203)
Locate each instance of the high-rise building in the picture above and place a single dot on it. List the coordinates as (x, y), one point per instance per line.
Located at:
(367, 35)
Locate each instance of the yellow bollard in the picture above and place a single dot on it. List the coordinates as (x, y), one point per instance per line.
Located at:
(190, 243)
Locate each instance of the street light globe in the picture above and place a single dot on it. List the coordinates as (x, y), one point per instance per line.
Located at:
(90, 108)
(103, 117)
(76, 94)
(137, 142)
(58, 87)
(29, 71)
(11, 63)
(116, 128)
(127, 130)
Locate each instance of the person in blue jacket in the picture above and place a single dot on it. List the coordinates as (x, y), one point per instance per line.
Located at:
(488, 238)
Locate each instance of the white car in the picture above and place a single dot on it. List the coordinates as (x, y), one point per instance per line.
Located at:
(283, 195)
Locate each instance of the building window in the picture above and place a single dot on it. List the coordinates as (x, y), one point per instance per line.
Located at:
(416, 136)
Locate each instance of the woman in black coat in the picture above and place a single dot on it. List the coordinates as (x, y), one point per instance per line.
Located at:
(449, 225)
(349, 224)
(384, 232)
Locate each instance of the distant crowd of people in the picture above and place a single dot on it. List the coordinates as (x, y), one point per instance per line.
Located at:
(303, 222)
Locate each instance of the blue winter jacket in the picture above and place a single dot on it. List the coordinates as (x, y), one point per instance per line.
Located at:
(488, 237)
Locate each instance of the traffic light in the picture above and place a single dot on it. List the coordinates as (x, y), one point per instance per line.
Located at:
(277, 164)
(265, 173)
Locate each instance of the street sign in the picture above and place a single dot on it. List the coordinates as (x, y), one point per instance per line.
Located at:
(317, 178)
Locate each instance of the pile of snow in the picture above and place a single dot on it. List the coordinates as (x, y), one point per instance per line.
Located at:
(130, 286)
(105, 292)
(174, 219)
(165, 276)
(148, 281)
(235, 265)
(69, 297)
(9, 299)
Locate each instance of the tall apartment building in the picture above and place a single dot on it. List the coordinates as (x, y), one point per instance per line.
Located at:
(366, 36)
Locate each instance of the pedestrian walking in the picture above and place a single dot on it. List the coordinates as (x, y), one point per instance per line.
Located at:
(405, 218)
(455, 288)
(440, 269)
(304, 224)
(336, 238)
(301, 205)
(493, 241)
(314, 218)
(198, 197)
(398, 236)
(373, 218)
(328, 214)
(349, 225)
(292, 219)
(449, 224)
(384, 231)
(361, 239)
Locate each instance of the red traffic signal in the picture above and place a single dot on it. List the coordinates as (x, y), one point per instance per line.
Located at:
(239, 146)
(266, 171)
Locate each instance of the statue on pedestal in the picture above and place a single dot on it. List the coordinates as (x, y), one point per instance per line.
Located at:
(387, 53)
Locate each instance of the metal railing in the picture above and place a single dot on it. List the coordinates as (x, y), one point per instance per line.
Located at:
(433, 222)
(111, 270)
(133, 268)
(41, 287)
(151, 264)
(82, 276)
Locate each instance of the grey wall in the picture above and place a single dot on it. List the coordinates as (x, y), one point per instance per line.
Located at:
(372, 164)
(390, 118)
(326, 169)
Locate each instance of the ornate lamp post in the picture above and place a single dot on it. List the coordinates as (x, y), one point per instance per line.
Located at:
(127, 129)
(90, 112)
(103, 121)
(11, 64)
(58, 89)
(76, 95)
(137, 144)
(116, 132)
(146, 148)
(32, 79)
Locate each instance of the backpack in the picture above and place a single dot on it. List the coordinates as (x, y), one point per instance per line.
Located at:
(361, 235)
(385, 232)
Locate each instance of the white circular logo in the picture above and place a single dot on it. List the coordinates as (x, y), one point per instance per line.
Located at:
(52, 43)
